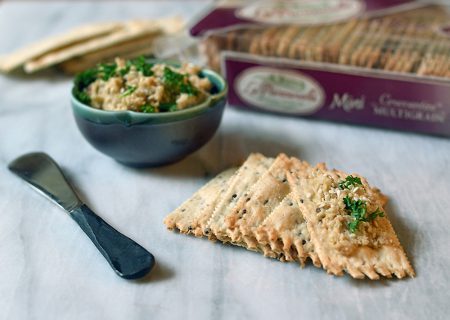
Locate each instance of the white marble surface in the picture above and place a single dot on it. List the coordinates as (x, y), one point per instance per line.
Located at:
(50, 270)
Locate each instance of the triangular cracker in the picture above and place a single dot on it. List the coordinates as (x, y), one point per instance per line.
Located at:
(286, 232)
(132, 30)
(252, 169)
(191, 217)
(84, 33)
(264, 196)
(187, 216)
(373, 249)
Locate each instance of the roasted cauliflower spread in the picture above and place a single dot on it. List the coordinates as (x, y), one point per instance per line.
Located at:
(141, 86)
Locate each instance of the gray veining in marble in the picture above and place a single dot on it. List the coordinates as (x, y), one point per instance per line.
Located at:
(50, 270)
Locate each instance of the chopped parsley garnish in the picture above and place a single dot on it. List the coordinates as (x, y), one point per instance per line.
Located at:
(350, 181)
(358, 211)
(188, 88)
(375, 214)
(130, 90)
(82, 96)
(107, 70)
(143, 66)
(82, 81)
(125, 70)
(165, 107)
(177, 83)
(147, 108)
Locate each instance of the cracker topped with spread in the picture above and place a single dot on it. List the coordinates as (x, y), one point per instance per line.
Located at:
(348, 225)
(292, 211)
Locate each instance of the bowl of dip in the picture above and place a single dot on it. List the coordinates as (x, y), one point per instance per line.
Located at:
(147, 113)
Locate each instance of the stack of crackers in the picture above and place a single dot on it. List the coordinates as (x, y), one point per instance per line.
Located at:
(289, 210)
(85, 46)
(408, 42)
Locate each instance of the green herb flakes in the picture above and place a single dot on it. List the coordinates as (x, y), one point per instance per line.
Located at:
(357, 209)
(167, 107)
(143, 66)
(176, 82)
(147, 108)
(107, 70)
(82, 81)
(128, 91)
(125, 70)
(350, 181)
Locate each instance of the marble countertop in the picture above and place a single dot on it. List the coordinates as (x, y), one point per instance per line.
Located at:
(50, 270)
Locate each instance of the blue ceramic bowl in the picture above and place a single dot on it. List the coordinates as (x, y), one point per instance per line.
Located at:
(147, 140)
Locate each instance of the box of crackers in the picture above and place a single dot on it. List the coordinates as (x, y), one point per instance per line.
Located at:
(383, 63)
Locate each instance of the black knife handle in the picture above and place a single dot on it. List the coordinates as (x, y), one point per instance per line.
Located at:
(126, 257)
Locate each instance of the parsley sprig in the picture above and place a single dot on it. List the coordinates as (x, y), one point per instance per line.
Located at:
(176, 83)
(147, 108)
(165, 107)
(357, 209)
(128, 91)
(106, 70)
(81, 82)
(350, 181)
(142, 65)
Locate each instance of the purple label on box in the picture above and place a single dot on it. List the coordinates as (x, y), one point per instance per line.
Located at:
(328, 92)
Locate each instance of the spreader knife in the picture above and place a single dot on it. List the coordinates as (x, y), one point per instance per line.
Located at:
(128, 259)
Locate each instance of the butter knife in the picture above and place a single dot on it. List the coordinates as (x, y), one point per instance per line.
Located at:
(127, 258)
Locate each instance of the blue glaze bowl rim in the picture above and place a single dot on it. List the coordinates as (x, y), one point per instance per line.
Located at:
(128, 117)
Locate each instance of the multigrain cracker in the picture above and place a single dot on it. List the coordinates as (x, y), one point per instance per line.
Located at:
(77, 65)
(335, 219)
(191, 216)
(371, 250)
(245, 38)
(247, 175)
(186, 217)
(131, 48)
(84, 33)
(392, 42)
(286, 232)
(131, 30)
(270, 40)
(260, 200)
(286, 39)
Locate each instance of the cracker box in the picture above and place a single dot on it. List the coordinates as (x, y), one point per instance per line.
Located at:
(383, 63)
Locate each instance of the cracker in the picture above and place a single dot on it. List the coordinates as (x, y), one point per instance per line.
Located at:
(247, 175)
(255, 43)
(286, 40)
(300, 42)
(373, 250)
(231, 39)
(286, 231)
(192, 214)
(269, 40)
(185, 218)
(263, 197)
(127, 50)
(245, 39)
(84, 33)
(78, 65)
(132, 30)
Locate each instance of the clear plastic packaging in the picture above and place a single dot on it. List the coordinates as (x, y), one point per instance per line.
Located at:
(413, 41)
